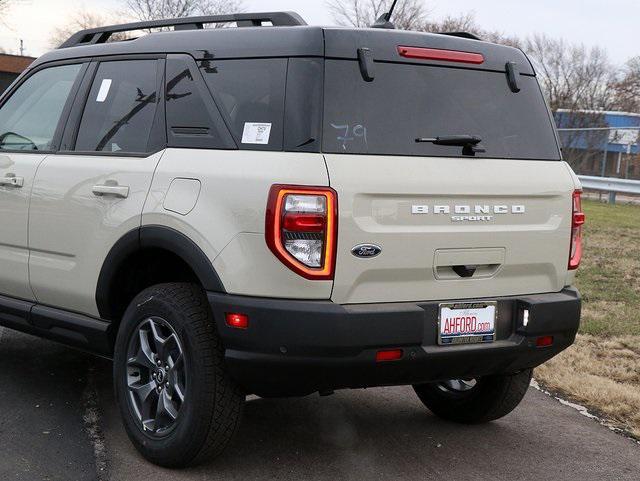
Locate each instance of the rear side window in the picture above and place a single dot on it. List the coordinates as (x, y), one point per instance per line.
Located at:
(405, 102)
(193, 120)
(28, 120)
(121, 108)
(250, 93)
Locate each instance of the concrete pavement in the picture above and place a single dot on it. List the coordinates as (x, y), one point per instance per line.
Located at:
(383, 434)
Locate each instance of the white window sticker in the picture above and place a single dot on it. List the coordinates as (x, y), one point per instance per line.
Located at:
(255, 133)
(104, 90)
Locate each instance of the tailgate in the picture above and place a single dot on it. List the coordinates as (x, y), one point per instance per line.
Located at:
(438, 220)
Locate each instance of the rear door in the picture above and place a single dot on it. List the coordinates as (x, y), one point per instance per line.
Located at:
(92, 192)
(29, 118)
(450, 223)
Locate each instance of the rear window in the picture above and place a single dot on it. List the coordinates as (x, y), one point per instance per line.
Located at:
(405, 102)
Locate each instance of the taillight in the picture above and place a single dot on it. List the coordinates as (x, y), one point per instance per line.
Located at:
(301, 229)
(577, 220)
(441, 55)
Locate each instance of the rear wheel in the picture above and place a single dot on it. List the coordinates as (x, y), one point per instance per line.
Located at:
(178, 403)
(474, 401)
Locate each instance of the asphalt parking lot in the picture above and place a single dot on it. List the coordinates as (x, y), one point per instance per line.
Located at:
(58, 421)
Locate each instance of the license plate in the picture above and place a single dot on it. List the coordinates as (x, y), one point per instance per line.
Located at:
(467, 323)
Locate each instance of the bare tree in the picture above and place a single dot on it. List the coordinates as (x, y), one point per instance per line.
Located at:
(468, 23)
(408, 15)
(578, 83)
(81, 20)
(572, 76)
(627, 89)
(144, 10)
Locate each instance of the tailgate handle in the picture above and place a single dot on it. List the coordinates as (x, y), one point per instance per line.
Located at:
(465, 271)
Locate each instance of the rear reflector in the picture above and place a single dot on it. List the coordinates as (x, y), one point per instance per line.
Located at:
(544, 341)
(390, 355)
(442, 55)
(237, 321)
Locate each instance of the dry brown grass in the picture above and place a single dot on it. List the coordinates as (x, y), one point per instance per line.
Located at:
(602, 370)
(603, 374)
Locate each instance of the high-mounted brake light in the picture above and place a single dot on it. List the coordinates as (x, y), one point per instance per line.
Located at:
(301, 229)
(442, 55)
(577, 221)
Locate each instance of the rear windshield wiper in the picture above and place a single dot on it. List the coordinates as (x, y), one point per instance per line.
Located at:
(469, 143)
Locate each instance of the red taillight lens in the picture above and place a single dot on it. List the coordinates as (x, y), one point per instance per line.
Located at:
(301, 229)
(577, 221)
(442, 55)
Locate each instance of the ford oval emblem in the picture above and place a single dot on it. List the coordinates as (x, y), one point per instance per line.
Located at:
(366, 251)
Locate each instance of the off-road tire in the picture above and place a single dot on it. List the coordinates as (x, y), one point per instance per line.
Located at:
(491, 398)
(211, 412)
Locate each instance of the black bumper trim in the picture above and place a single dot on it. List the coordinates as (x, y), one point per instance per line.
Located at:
(299, 347)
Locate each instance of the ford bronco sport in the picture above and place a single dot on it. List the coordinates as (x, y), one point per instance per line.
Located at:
(281, 210)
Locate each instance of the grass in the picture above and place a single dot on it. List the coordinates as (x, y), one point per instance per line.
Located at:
(609, 275)
(602, 369)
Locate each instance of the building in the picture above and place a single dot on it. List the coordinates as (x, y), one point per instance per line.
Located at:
(601, 143)
(10, 67)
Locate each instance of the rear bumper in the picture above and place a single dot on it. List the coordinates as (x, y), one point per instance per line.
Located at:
(300, 347)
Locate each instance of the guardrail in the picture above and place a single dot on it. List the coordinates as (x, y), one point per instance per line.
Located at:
(611, 185)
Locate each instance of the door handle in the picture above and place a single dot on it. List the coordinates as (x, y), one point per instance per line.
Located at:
(112, 190)
(465, 271)
(12, 181)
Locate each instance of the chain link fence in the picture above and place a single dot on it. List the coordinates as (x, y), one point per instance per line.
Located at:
(602, 151)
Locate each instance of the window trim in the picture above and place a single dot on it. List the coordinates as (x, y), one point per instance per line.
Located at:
(66, 110)
(67, 146)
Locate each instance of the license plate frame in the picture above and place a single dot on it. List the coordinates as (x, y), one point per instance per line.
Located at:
(484, 311)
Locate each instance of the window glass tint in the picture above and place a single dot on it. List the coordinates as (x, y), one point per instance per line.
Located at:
(251, 95)
(28, 120)
(193, 120)
(120, 109)
(303, 110)
(406, 102)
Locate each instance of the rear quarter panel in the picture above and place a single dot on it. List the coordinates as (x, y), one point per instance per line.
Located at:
(228, 219)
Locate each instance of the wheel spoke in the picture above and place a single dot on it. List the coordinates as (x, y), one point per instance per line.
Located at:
(175, 366)
(168, 406)
(177, 390)
(158, 340)
(144, 354)
(144, 391)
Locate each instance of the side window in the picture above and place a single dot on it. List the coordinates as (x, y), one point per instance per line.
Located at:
(29, 118)
(303, 109)
(251, 95)
(193, 119)
(121, 108)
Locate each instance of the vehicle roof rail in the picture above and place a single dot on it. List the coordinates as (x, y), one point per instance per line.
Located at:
(462, 35)
(93, 36)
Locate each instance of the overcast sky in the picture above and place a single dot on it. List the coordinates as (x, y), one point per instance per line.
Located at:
(613, 24)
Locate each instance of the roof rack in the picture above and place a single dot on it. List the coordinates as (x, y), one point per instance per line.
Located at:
(93, 36)
(462, 35)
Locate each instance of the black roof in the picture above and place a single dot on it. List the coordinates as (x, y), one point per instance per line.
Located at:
(286, 41)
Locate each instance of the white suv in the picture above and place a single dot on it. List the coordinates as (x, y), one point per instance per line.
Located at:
(281, 210)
